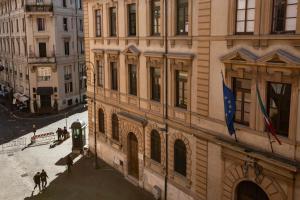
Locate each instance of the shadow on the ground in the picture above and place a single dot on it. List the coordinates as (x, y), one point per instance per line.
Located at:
(86, 183)
(12, 128)
(63, 161)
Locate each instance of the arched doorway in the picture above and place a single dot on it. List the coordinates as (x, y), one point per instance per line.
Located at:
(247, 190)
(133, 160)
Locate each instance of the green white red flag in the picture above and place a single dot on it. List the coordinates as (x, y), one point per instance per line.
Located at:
(267, 119)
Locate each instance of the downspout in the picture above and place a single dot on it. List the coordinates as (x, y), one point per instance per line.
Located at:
(166, 93)
(78, 57)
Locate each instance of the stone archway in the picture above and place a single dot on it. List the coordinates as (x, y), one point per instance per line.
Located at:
(248, 190)
(234, 176)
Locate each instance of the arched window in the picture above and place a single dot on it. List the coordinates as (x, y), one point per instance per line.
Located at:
(247, 190)
(155, 146)
(101, 120)
(115, 127)
(180, 157)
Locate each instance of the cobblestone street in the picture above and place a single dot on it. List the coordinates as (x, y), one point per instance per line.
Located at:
(18, 168)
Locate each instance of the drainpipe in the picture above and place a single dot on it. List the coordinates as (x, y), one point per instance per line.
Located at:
(166, 93)
(78, 56)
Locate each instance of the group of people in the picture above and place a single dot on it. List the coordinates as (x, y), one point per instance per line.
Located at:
(40, 177)
(62, 134)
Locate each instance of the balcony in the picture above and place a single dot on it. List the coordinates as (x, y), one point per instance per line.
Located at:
(41, 60)
(39, 8)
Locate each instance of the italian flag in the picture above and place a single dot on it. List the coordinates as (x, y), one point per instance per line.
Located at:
(267, 119)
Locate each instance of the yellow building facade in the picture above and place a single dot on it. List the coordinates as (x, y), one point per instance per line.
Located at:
(159, 100)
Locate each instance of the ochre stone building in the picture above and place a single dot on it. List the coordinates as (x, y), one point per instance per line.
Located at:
(159, 100)
(42, 53)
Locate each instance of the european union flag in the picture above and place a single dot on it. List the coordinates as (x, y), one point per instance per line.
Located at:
(230, 108)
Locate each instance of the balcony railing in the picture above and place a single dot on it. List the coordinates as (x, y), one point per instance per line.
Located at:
(39, 8)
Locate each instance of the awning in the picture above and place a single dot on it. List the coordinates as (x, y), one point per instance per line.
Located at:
(44, 91)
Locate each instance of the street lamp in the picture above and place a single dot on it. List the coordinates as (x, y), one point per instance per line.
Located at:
(94, 99)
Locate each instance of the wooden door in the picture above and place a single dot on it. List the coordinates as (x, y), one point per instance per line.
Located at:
(133, 160)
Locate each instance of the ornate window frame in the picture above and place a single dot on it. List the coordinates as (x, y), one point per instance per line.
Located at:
(110, 38)
(154, 59)
(132, 55)
(127, 37)
(99, 56)
(95, 7)
(113, 56)
(276, 66)
(180, 62)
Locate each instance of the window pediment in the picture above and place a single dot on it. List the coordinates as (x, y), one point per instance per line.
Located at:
(131, 50)
(239, 56)
(279, 57)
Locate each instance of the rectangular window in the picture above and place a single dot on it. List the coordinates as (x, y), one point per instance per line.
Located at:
(181, 89)
(132, 76)
(68, 87)
(242, 92)
(113, 21)
(284, 16)
(100, 73)
(67, 48)
(42, 49)
(132, 19)
(64, 2)
(23, 22)
(40, 24)
(81, 46)
(114, 76)
(65, 24)
(245, 15)
(98, 23)
(68, 73)
(182, 17)
(155, 22)
(17, 25)
(278, 106)
(155, 79)
(81, 25)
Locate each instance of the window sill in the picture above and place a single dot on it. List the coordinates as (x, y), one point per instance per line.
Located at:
(111, 39)
(180, 179)
(115, 144)
(155, 166)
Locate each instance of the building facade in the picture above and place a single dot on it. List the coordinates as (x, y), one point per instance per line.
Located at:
(42, 53)
(159, 100)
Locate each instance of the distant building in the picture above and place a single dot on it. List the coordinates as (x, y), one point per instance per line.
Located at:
(42, 52)
(160, 111)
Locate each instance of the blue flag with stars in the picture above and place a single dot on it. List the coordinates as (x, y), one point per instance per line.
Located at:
(230, 108)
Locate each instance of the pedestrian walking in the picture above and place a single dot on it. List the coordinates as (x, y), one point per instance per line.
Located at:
(69, 163)
(44, 177)
(65, 133)
(37, 181)
(58, 132)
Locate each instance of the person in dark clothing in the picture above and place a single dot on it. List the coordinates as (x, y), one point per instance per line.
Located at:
(65, 133)
(59, 133)
(44, 177)
(37, 181)
(69, 163)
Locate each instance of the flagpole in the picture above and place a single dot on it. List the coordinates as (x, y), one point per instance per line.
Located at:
(271, 143)
(235, 137)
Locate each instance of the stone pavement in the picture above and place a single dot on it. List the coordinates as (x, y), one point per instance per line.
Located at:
(86, 183)
(18, 168)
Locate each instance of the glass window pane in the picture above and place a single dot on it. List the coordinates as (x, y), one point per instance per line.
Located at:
(292, 1)
(290, 24)
(251, 4)
(250, 26)
(291, 11)
(250, 14)
(241, 15)
(241, 4)
(240, 26)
